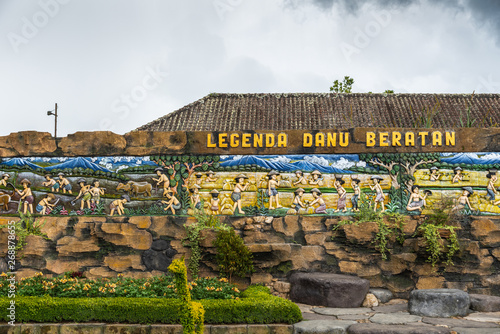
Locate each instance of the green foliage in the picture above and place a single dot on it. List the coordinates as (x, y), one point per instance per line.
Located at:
(233, 257)
(342, 87)
(440, 218)
(257, 307)
(388, 91)
(26, 226)
(366, 212)
(194, 237)
(192, 313)
(425, 118)
(154, 287)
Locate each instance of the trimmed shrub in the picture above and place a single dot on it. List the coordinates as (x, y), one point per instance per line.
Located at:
(257, 307)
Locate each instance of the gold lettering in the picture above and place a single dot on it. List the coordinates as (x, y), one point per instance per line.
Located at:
(209, 141)
(282, 140)
(233, 140)
(331, 139)
(344, 139)
(307, 140)
(423, 135)
(222, 139)
(257, 140)
(383, 139)
(396, 137)
(437, 138)
(409, 139)
(320, 139)
(245, 140)
(370, 139)
(450, 138)
(269, 140)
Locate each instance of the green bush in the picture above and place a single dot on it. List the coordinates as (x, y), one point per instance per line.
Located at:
(257, 306)
(233, 256)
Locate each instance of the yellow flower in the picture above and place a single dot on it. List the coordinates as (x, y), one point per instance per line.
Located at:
(223, 279)
(3, 274)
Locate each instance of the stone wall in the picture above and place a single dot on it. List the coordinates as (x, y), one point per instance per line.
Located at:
(144, 246)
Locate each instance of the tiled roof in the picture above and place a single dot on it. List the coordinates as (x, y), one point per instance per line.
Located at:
(311, 111)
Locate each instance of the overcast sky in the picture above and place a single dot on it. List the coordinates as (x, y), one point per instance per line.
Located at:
(118, 64)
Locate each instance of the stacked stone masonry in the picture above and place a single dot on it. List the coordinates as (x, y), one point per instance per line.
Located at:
(144, 246)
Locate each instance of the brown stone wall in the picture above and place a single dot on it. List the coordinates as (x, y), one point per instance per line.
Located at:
(103, 143)
(141, 246)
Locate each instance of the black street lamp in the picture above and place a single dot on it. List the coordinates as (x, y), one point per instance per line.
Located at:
(54, 112)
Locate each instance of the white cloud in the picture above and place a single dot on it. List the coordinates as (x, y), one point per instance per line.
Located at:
(317, 160)
(493, 156)
(343, 163)
(281, 158)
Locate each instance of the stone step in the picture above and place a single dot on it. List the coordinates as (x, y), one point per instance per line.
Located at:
(439, 303)
(331, 290)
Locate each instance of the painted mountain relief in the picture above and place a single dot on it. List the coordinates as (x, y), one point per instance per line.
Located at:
(250, 185)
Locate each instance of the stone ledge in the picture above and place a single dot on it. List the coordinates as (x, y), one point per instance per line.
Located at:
(102, 328)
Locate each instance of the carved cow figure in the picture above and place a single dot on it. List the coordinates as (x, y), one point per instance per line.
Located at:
(136, 188)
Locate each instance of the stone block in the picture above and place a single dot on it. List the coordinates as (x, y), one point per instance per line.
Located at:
(370, 300)
(436, 282)
(166, 329)
(369, 328)
(439, 303)
(121, 263)
(82, 328)
(383, 295)
(261, 278)
(282, 287)
(229, 329)
(484, 303)
(124, 234)
(141, 222)
(323, 326)
(36, 245)
(71, 246)
(330, 290)
(361, 233)
(313, 224)
(279, 329)
(126, 329)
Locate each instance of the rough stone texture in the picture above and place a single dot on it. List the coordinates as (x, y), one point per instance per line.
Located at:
(341, 311)
(439, 303)
(122, 263)
(27, 143)
(281, 247)
(370, 300)
(383, 295)
(485, 317)
(396, 329)
(394, 319)
(330, 290)
(484, 303)
(459, 323)
(126, 329)
(82, 328)
(123, 234)
(85, 143)
(322, 327)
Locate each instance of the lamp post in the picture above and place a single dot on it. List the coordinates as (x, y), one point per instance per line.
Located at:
(54, 112)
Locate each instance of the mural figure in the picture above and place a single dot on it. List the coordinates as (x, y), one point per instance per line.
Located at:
(211, 177)
(51, 183)
(300, 178)
(357, 193)
(318, 199)
(118, 205)
(214, 202)
(238, 188)
(172, 203)
(4, 201)
(490, 189)
(458, 175)
(463, 201)
(297, 201)
(379, 194)
(96, 192)
(26, 196)
(317, 178)
(434, 174)
(84, 194)
(3, 181)
(341, 203)
(199, 180)
(195, 197)
(272, 191)
(45, 205)
(64, 184)
(416, 200)
(162, 179)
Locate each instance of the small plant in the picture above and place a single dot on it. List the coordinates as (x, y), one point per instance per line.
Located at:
(26, 226)
(437, 224)
(342, 87)
(233, 257)
(466, 121)
(194, 236)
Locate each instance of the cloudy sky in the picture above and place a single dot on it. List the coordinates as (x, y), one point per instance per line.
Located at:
(117, 64)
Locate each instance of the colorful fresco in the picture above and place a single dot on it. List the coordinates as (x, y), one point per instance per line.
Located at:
(250, 185)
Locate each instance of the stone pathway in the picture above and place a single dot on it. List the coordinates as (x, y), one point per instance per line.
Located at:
(391, 318)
